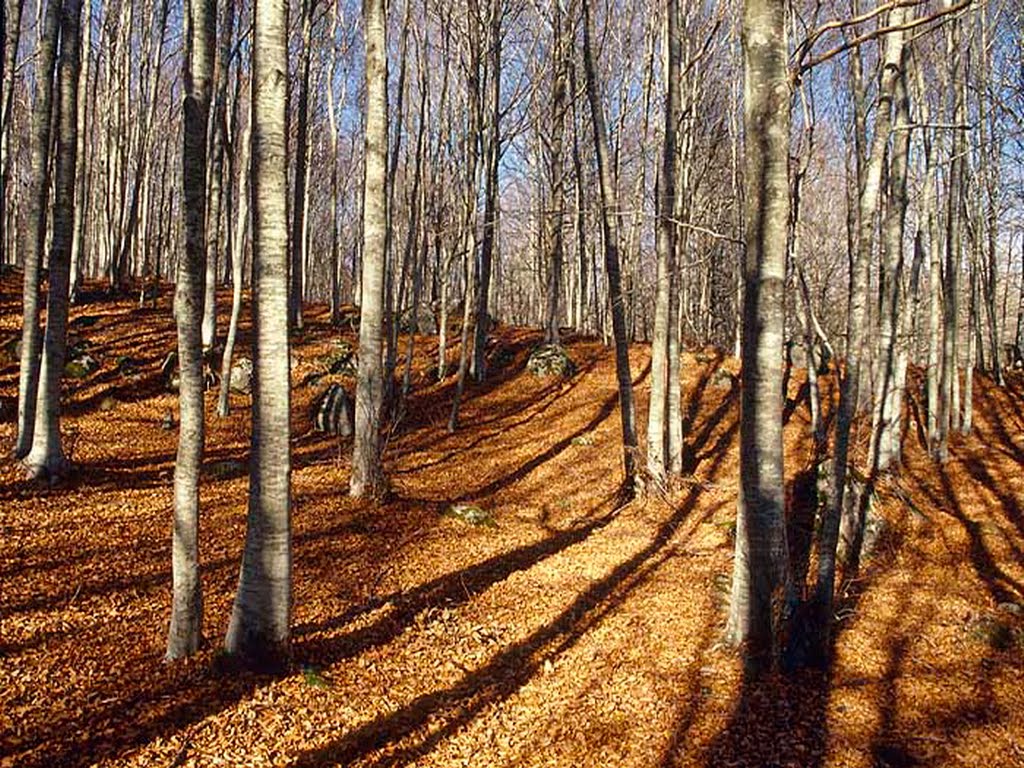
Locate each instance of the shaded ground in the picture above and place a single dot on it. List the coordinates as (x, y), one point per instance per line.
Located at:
(574, 633)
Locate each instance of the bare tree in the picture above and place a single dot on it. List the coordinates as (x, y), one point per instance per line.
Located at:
(46, 459)
(261, 618)
(35, 228)
(658, 430)
(10, 34)
(185, 633)
(367, 476)
(761, 566)
(857, 318)
(610, 232)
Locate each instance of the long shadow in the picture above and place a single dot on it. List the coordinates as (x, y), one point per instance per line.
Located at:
(506, 673)
(889, 747)
(606, 410)
(694, 696)
(131, 475)
(1008, 503)
(546, 398)
(781, 719)
(916, 410)
(691, 443)
(191, 692)
(450, 589)
(998, 583)
(886, 748)
(778, 721)
(139, 582)
(696, 395)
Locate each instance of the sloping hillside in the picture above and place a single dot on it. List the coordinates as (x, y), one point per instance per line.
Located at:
(575, 631)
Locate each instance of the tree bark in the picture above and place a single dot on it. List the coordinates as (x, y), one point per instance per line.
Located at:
(556, 173)
(81, 198)
(665, 243)
(185, 633)
(948, 411)
(891, 308)
(237, 257)
(299, 201)
(11, 37)
(857, 319)
(46, 459)
(35, 229)
(761, 567)
(610, 233)
(367, 476)
(261, 617)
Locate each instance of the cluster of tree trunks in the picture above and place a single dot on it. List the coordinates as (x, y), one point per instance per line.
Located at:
(418, 216)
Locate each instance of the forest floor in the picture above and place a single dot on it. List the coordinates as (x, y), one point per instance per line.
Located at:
(575, 632)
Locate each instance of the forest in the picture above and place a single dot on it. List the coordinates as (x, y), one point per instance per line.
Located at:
(512, 383)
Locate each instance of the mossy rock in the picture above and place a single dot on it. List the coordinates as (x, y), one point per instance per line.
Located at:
(81, 367)
(334, 412)
(425, 322)
(997, 634)
(472, 514)
(550, 360)
(342, 359)
(85, 321)
(128, 366)
(227, 468)
(241, 376)
(722, 379)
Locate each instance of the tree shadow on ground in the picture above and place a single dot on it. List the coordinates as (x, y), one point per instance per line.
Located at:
(422, 724)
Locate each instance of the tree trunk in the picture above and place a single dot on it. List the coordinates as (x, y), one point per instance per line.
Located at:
(857, 319)
(761, 567)
(261, 617)
(35, 229)
(367, 476)
(215, 176)
(46, 459)
(491, 190)
(948, 412)
(185, 633)
(81, 199)
(556, 174)
(610, 234)
(299, 201)
(665, 243)
(332, 123)
(237, 257)
(891, 302)
(11, 32)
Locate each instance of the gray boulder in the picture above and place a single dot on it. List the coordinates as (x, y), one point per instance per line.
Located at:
(550, 360)
(241, 376)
